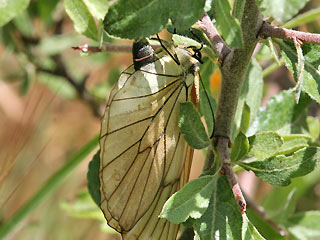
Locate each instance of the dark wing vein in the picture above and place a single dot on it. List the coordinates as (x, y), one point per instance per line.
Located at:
(152, 118)
(148, 95)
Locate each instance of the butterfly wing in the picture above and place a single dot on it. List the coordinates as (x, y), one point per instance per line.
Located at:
(142, 151)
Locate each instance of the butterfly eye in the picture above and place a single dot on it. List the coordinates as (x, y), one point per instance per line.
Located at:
(197, 55)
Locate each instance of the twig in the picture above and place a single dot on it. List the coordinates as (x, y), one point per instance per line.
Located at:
(219, 45)
(263, 214)
(233, 71)
(107, 47)
(267, 30)
(222, 147)
(80, 87)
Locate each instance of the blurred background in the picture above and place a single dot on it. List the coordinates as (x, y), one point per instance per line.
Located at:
(51, 101)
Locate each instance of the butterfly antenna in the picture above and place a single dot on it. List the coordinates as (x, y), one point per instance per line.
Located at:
(162, 45)
(211, 108)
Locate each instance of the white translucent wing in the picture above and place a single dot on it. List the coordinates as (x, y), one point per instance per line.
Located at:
(142, 150)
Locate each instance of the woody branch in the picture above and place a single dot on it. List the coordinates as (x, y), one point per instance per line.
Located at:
(267, 30)
(233, 70)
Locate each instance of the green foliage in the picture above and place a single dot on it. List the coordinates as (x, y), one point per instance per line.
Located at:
(280, 169)
(305, 226)
(250, 99)
(227, 24)
(240, 147)
(10, 9)
(208, 104)
(58, 85)
(82, 18)
(281, 10)
(133, 20)
(311, 77)
(192, 201)
(190, 124)
(265, 144)
(97, 8)
(278, 142)
(280, 114)
(83, 207)
(222, 219)
(93, 178)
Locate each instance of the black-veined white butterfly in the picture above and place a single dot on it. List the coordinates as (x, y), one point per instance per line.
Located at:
(144, 157)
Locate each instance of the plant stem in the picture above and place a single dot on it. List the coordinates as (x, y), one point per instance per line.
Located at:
(233, 72)
(48, 187)
(267, 30)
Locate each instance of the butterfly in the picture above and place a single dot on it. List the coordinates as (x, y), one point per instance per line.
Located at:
(144, 157)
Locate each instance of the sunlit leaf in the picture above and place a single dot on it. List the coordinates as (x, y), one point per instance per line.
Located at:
(191, 201)
(227, 24)
(265, 144)
(279, 170)
(311, 74)
(82, 18)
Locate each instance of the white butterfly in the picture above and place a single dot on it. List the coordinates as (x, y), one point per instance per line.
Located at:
(144, 157)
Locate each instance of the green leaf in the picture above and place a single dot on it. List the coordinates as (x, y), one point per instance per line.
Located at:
(240, 147)
(81, 17)
(184, 13)
(280, 113)
(222, 219)
(300, 70)
(208, 107)
(239, 9)
(11, 8)
(311, 76)
(245, 118)
(281, 204)
(83, 207)
(314, 127)
(208, 104)
(273, 51)
(46, 9)
(227, 24)
(191, 201)
(190, 124)
(206, 70)
(304, 18)
(281, 10)
(251, 95)
(135, 19)
(293, 143)
(56, 44)
(249, 231)
(98, 8)
(265, 144)
(279, 170)
(93, 178)
(305, 226)
(23, 22)
(266, 230)
(58, 85)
